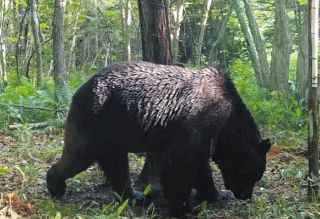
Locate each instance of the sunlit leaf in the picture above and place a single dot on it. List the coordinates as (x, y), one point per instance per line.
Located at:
(123, 206)
(4, 170)
(147, 190)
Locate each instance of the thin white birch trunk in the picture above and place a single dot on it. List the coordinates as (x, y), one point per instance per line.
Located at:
(176, 20)
(36, 39)
(3, 64)
(72, 56)
(129, 23)
(202, 30)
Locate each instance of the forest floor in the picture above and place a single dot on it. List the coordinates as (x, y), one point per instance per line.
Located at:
(26, 156)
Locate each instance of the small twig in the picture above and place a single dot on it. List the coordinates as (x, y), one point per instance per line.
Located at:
(33, 158)
(107, 26)
(31, 56)
(32, 108)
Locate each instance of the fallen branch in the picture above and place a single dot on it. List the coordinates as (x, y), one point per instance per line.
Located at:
(30, 125)
(32, 108)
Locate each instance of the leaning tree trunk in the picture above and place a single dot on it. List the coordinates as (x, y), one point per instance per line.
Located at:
(59, 65)
(313, 137)
(280, 58)
(156, 48)
(36, 39)
(249, 43)
(259, 43)
(222, 30)
(202, 30)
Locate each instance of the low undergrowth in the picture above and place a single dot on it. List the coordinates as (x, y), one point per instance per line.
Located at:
(26, 155)
(280, 194)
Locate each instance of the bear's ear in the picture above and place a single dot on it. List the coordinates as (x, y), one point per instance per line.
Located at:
(264, 146)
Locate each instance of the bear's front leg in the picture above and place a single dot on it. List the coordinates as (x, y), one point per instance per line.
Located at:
(204, 184)
(177, 173)
(71, 163)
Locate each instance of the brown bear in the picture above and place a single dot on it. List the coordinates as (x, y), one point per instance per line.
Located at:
(185, 117)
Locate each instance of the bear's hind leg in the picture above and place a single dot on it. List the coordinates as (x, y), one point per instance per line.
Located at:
(71, 163)
(116, 169)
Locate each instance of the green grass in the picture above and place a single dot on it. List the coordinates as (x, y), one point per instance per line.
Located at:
(279, 115)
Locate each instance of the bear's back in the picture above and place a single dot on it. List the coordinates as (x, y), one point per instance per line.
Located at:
(156, 93)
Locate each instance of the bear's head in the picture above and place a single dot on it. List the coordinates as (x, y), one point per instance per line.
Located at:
(241, 169)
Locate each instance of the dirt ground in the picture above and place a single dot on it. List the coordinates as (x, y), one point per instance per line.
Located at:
(25, 160)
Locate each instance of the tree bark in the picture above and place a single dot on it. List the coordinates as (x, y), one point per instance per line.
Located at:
(18, 46)
(59, 65)
(222, 30)
(36, 39)
(202, 30)
(155, 31)
(156, 48)
(313, 137)
(72, 56)
(3, 64)
(259, 44)
(129, 23)
(303, 57)
(177, 18)
(249, 43)
(280, 58)
(126, 13)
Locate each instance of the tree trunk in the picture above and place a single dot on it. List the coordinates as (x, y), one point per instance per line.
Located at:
(303, 57)
(129, 23)
(259, 43)
(222, 29)
(202, 30)
(126, 14)
(36, 39)
(177, 18)
(72, 56)
(155, 31)
(249, 43)
(280, 58)
(156, 48)
(313, 137)
(3, 71)
(59, 66)
(18, 45)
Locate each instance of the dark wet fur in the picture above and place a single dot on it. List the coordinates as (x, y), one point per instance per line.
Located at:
(175, 112)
